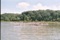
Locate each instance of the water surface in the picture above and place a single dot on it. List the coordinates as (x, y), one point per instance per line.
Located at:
(29, 31)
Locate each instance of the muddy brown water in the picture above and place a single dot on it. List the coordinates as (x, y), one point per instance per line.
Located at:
(29, 31)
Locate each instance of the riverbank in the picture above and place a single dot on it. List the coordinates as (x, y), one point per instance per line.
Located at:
(29, 21)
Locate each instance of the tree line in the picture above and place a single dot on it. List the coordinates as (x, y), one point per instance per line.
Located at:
(38, 15)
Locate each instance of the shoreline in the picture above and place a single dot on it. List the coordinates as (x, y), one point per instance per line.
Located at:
(29, 21)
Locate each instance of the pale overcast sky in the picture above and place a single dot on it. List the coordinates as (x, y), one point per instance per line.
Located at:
(18, 6)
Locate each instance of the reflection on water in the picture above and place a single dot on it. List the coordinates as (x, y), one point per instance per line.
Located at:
(28, 31)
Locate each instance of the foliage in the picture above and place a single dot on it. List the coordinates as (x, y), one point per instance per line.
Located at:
(39, 15)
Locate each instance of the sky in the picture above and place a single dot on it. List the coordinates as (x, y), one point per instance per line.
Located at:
(19, 6)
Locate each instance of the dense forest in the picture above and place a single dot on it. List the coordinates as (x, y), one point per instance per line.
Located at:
(38, 15)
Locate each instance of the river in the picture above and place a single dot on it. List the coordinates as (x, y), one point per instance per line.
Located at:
(29, 31)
